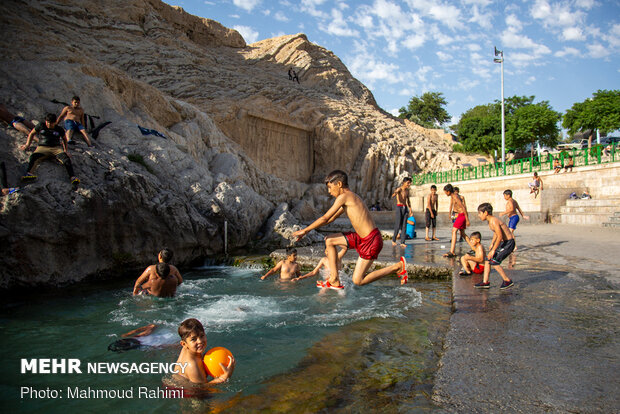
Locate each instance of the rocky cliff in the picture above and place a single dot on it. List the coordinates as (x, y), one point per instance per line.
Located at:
(241, 139)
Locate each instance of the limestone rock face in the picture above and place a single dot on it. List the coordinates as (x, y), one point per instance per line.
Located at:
(280, 228)
(241, 138)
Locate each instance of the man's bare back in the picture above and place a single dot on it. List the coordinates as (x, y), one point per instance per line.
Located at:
(151, 282)
(457, 204)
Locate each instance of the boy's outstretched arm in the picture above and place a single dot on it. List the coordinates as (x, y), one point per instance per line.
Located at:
(63, 113)
(521, 212)
(275, 269)
(332, 214)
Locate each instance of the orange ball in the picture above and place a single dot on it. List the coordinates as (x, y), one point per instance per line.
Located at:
(214, 357)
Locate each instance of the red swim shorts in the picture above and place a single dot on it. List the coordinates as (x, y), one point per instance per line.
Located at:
(368, 247)
(460, 221)
(479, 269)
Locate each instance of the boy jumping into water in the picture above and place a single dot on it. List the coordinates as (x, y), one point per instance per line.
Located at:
(194, 343)
(511, 212)
(462, 218)
(536, 186)
(288, 268)
(502, 245)
(366, 239)
(74, 120)
(473, 263)
(324, 263)
(431, 212)
(403, 207)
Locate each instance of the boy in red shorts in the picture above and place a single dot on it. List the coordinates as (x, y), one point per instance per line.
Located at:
(366, 239)
(462, 218)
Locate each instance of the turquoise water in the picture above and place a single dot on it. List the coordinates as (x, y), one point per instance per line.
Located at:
(270, 327)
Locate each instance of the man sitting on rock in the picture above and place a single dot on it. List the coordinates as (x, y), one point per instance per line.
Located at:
(52, 143)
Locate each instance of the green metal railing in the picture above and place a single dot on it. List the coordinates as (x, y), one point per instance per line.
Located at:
(582, 157)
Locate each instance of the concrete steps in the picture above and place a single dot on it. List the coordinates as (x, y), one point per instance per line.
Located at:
(603, 211)
(614, 221)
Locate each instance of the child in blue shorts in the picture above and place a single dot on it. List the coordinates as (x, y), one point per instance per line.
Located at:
(511, 212)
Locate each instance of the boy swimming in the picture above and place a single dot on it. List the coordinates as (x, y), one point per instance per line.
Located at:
(288, 268)
(366, 238)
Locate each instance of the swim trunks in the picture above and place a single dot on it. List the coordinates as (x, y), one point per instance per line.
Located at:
(72, 125)
(503, 252)
(478, 269)
(430, 221)
(460, 222)
(368, 247)
(512, 222)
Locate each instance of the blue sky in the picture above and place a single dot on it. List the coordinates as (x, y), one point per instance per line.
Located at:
(559, 51)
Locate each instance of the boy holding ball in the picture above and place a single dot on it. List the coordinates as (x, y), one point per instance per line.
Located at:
(194, 343)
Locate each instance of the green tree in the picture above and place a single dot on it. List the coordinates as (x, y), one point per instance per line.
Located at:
(531, 123)
(427, 110)
(480, 129)
(601, 112)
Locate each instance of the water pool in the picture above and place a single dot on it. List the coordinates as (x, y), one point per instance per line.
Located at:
(298, 348)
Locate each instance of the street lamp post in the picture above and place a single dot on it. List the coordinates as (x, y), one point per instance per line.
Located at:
(500, 60)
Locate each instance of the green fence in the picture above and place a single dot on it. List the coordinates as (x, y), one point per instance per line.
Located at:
(582, 157)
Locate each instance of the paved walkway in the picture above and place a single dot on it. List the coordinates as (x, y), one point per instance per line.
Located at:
(549, 344)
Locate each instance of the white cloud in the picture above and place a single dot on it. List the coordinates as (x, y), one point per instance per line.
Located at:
(585, 4)
(247, 5)
(266, 12)
(281, 17)
(395, 112)
(473, 47)
(209, 3)
(250, 35)
(414, 41)
(234, 16)
(573, 33)
(370, 70)
(530, 80)
(483, 19)
(513, 23)
(598, 51)
(447, 14)
(310, 7)
(443, 56)
(567, 51)
(338, 26)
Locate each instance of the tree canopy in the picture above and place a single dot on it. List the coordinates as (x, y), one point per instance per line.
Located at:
(480, 129)
(427, 110)
(601, 112)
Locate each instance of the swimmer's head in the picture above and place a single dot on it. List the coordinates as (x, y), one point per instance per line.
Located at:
(190, 326)
(165, 255)
(162, 269)
(337, 176)
(291, 253)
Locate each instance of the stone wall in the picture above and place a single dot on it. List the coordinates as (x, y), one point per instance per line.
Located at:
(602, 181)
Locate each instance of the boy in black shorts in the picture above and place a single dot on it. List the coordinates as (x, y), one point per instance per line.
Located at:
(431, 212)
(502, 245)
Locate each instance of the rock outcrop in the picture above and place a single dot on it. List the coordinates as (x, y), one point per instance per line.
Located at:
(240, 137)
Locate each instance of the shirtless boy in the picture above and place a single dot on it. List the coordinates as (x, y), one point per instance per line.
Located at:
(473, 263)
(194, 343)
(366, 239)
(536, 186)
(502, 245)
(511, 212)
(150, 273)
(431, 212)
(462, 218)
(324, 263)
(288, 268)
(74, 120)
(157, 281)
(403, 207)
